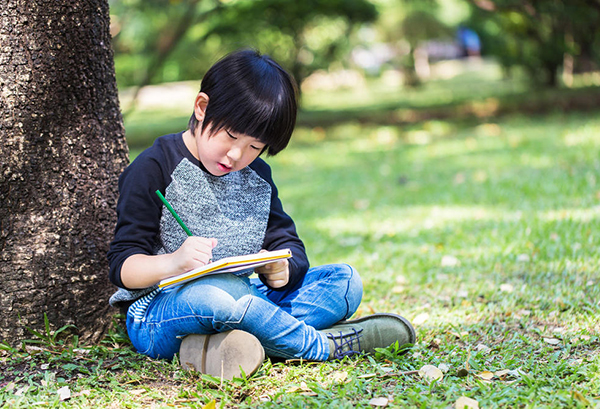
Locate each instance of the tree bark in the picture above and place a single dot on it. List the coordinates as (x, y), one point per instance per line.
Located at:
(62, 148)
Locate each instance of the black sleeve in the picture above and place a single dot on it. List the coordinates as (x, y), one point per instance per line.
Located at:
(138, 213)
(281, 231)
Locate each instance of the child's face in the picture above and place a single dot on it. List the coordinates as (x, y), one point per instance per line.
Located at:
(224, 152)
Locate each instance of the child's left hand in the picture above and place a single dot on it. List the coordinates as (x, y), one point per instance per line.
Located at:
(277, 274)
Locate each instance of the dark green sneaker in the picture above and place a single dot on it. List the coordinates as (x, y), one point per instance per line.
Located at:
(363, 335)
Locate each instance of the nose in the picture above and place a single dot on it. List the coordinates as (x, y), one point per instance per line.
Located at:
(234, 153)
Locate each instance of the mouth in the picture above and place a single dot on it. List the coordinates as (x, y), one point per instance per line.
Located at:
(224, 168)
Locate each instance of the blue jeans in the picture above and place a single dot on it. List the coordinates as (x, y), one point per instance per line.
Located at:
(285, 322)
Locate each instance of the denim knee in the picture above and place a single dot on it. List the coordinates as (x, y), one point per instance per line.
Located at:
(355, 289)
(229, 312)
(234, 285)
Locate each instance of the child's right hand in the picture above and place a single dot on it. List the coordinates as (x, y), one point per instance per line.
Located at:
(141, 270)
(194, 252)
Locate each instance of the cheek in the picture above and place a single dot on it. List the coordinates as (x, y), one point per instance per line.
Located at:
(251, 156)
(218, 148)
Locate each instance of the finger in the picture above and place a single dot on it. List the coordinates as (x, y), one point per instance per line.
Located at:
(277, 265)
(197, 240)
(280, 275)
(202, 259)
(277, 283)
(203, 248)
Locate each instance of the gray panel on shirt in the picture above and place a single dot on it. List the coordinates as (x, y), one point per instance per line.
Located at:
(233, 208)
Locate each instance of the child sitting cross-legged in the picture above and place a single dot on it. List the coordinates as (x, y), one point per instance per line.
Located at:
(212, 174)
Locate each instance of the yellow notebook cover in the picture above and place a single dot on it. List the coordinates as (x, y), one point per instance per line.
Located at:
(228, 265)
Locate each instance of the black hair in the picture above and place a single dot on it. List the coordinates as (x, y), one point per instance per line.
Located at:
(250, 94)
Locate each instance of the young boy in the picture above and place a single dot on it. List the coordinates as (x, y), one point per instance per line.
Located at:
(213, 176)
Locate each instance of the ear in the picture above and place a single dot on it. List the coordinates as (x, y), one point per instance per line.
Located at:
(200, 106)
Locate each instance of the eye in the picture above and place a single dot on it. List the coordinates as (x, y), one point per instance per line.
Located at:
(230, 135)
(258, 148)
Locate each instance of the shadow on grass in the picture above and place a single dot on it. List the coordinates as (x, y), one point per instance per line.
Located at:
(462, 108)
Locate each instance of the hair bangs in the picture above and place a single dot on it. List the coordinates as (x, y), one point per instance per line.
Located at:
(251, 95)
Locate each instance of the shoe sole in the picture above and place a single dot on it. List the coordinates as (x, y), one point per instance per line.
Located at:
(224, 355)
(407, 324)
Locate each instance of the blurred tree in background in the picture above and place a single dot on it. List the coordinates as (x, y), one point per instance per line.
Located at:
(542, 36)
(408, 26)
(165, 40)
(159, 41)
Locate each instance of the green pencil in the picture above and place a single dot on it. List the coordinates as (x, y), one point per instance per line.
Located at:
(174, 213)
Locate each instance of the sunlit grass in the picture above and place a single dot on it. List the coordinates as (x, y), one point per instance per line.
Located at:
(484, 232)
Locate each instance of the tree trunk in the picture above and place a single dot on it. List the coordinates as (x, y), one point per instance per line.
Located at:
(62, 148)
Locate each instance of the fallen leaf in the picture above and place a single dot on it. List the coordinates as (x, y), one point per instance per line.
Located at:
(502, 372)
(383, 402)
(464, 402)
(400, 279)
(579, 396)
(367, 375)
(339, 377)
(516, 372)
(483, 348)
(487, 375)
(444, 367)
(431, 372)
(462, 294)
(64, 393)
(449, 261)
(420, 319)
(460, 334)
(480, 176)
(361, 204)
(459, 178)
(210, 405)
(506, 288)
(32, 349)
(552, 341)
(137, 391)
(43, 367)
(398, 289)
(462, 372)
(21, 391)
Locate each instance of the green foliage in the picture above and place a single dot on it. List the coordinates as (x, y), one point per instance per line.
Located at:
(48, 337)
(420, 26)
(304, 36)
(536, 35)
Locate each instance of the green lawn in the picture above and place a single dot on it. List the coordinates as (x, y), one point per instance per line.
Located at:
(482, 231)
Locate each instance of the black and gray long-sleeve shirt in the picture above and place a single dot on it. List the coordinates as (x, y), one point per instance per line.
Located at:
(241, 210)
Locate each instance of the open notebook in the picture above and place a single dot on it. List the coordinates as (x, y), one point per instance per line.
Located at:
(228, 265)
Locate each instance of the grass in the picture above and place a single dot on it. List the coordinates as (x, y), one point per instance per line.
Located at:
(483, 231)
